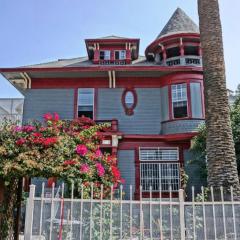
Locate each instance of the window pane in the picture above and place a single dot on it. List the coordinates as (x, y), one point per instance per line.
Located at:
(179, 100)
(85, 96)
(159, 176)
(107, 55)
(129, 99)
(102, 55)
(122, 54)
(85, 102)
(116, 55)
(158, 154)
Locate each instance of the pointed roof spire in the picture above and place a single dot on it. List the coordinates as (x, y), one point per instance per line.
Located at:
(179, 22)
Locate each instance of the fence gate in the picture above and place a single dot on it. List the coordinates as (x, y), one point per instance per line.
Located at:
(53, 217)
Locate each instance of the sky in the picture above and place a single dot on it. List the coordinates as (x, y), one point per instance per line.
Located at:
(39, 31)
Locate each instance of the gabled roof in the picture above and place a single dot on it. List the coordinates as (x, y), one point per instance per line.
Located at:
(179, 22)
(113, 37)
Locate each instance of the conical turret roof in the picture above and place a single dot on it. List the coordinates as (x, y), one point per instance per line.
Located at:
(179, 22)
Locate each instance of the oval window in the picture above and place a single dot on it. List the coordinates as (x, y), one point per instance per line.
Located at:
(129, 101)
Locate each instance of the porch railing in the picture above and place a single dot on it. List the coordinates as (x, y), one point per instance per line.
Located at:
(15, 118)
(54, 217)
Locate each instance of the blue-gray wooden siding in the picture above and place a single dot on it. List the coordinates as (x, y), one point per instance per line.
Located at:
(147, 114)
(40, 101)
(164, 103)
(151, 110)
(126, 164)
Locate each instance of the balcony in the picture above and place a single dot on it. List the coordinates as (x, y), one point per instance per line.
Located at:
(188, 61)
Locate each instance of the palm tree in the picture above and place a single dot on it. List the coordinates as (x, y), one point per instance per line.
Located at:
(222, 167)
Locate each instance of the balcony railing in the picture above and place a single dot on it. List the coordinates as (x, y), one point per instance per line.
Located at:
(183, 61)
(14, 118)
(113, 124)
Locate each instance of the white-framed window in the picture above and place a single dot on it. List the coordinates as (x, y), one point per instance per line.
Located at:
(105, 55)
(120, 54)
(159, 169)
(86, 102)
(179, 100)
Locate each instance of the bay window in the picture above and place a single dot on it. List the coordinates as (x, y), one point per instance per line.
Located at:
(85, 102)
(159, 169)
(179, 100)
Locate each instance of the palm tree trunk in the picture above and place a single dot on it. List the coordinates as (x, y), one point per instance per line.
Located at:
(222, 167)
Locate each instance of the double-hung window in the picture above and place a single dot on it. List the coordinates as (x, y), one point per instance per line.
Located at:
(105, 55)
(159, 169)
(85, 102)
(120, 55)
(179, 100)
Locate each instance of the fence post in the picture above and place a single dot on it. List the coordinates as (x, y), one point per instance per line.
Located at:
(181, 214)
(29, 214)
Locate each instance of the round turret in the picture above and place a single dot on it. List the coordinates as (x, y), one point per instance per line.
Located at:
(178, 44)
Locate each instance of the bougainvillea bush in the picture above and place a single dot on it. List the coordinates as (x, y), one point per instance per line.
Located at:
(68, 150)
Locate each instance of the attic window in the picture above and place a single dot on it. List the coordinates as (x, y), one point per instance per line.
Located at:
(105, 55)
(120, 55)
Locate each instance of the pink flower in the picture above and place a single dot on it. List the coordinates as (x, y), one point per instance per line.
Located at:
(98, 154)
(37, 134)
(100, 169)
(28, 128)
(81, 150)
(69, 162)
(20, 141)
(48, 117)
(84, 168)
(56, 117)
(17, 129)
(49, 141)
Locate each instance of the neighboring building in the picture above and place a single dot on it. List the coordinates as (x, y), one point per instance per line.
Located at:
(231, 97)
(154, 102)
(11, 109)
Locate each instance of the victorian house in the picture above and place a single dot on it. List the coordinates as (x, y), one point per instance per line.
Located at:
(154, 102)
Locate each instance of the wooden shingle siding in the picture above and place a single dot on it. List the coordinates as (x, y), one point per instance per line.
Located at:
(126, 164)
(147, 114)
(196, 100)
(40, 101)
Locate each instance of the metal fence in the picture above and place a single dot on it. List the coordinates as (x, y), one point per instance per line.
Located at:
(53, 217)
